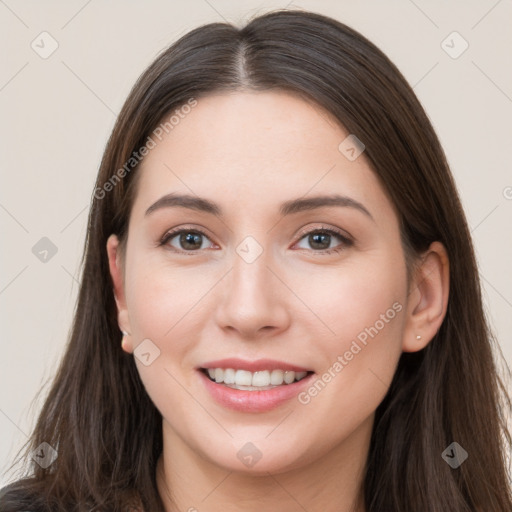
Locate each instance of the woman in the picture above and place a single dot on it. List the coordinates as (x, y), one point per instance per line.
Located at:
(276, 233)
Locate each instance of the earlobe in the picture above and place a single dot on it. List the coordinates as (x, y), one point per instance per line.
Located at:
(428, 299)
(126, 343)
(116, 273)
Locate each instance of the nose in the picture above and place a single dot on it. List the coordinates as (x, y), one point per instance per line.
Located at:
(253, 301)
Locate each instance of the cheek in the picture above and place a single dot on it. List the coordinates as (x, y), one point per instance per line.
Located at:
(163, 299)
(362, 319)
(360, 300)
(163, 305)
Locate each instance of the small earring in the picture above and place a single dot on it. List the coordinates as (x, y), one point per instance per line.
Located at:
(418, 337)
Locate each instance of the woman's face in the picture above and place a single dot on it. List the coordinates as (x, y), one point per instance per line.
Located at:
(260, 247)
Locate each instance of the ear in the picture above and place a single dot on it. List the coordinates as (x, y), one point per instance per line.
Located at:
(115, 264)
(428, 298)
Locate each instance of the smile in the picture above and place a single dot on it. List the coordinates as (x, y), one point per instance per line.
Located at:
(253, 381)
(253, 386)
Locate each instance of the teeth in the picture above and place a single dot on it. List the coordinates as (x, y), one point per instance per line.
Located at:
(276, 377)
(229, 376)
(289, 377)
(242, 377)
(261, 379)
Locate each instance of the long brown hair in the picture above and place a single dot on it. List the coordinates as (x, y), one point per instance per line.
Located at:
(98, 416)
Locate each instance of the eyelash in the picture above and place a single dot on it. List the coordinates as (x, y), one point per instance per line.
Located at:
(345, 242)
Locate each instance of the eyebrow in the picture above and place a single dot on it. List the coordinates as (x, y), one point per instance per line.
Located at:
(286, 208)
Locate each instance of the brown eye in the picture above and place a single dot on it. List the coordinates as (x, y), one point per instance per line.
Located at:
(319, 240)
(186, 240)
(190, 240)
(324, 240)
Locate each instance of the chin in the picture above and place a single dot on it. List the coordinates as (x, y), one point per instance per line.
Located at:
(257, 458)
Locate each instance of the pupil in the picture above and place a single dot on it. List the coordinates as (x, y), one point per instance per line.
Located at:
(321, 239)
(190, 240)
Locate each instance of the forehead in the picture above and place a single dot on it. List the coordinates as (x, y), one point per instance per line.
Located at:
(255, 148)
(244, 126)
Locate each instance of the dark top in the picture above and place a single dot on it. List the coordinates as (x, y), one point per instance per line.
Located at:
(14, 499)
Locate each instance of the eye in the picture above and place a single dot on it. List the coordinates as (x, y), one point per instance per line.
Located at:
(186, 240)
(321, 240)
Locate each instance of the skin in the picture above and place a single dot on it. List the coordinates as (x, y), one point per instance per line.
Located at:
(249, 152)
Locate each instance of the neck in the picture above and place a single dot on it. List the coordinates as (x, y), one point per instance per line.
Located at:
(331, 483)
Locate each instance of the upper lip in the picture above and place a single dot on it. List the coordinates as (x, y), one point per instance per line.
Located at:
(253, 366)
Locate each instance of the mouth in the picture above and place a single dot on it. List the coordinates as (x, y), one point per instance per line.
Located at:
(253, 386)
(245, 380)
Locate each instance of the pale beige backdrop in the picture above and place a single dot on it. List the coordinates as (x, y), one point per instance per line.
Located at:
(57, 110)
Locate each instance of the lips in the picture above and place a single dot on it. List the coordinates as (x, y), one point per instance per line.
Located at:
(253, 386)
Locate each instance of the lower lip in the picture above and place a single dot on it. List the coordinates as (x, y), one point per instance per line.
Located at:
(253, 401)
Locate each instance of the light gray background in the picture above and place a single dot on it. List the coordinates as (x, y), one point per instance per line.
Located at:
(57, 113)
